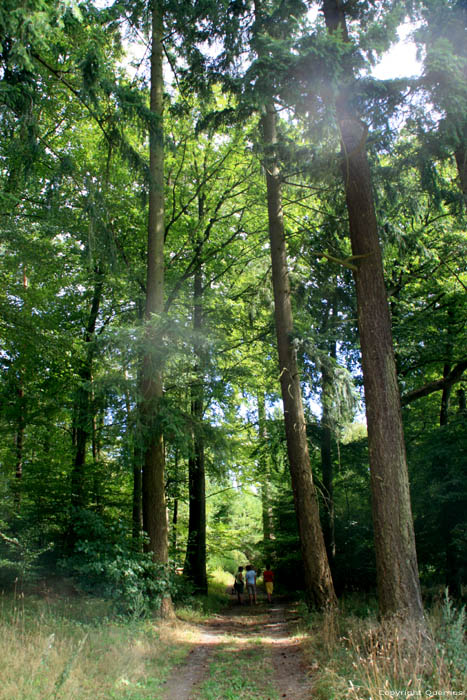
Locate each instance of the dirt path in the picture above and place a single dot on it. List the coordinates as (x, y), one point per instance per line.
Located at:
(241, 629)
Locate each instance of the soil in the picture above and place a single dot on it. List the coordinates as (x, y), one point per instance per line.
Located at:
(239, 623)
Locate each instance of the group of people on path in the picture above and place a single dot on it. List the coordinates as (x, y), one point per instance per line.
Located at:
(249, 579)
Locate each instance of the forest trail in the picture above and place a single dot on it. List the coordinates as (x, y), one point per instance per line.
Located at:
(248, 652)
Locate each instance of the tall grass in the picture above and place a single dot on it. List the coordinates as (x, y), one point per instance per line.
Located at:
(70, 648)
(203, 606)
(363, 659)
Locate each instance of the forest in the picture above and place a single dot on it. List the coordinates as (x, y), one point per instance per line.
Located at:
(233, 299)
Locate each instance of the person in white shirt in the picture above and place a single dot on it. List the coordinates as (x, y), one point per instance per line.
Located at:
(250, 578)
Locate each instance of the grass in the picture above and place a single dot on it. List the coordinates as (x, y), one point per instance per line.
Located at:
(362, 659)
(239, 671)
(70, 648)
(73, 647)
(203, 607)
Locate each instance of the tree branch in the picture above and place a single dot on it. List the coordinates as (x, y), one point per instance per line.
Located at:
(454, 376)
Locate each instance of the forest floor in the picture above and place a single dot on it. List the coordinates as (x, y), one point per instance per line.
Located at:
(252, 651)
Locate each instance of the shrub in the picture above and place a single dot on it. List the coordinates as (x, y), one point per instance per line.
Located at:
(106, 562)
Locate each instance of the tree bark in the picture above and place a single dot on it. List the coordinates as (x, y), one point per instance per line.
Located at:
(326, 460)
(396, 561)
(83, 413)
(461, 162)
(318, 582)
(195, 560)
(155, 521)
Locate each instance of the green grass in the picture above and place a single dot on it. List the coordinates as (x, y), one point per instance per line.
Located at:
(72, 649)
(203, 607)
(235, 672)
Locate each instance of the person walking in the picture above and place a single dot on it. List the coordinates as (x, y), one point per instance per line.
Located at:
(239, 585)
(268, 578)
(250, 577)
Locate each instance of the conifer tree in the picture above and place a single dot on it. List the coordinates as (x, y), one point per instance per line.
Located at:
(396, 560)
(155, 522)
(318, 581)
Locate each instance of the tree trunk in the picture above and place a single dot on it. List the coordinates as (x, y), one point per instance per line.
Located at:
(318, 582)
(155, 522)
(20, 424)
(83, 412)
(195, 560)
(460, 155)
(396, 561)
(326, 459)
(462, 403)
(447, 367)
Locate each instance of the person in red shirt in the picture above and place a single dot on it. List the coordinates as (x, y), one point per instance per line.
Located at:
(268, 578)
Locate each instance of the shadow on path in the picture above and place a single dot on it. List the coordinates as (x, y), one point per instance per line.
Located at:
(238, 626)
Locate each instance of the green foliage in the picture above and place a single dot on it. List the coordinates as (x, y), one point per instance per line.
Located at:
(20, 557)
(106, 564)
(452, 643)
(73, 195)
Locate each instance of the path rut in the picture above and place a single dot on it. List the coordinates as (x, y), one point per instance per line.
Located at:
(240, 625)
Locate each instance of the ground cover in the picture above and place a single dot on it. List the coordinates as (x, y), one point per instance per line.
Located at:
(71, 646)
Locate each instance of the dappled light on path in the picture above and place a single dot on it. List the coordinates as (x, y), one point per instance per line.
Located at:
(245, 641)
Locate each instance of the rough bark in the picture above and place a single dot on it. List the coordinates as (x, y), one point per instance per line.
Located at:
(195, 560)
(326, 462)
(135, 442)
(317, 576)
(396, 561)
(155, 521)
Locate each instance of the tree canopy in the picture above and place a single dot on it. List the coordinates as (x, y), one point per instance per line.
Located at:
(154, 158)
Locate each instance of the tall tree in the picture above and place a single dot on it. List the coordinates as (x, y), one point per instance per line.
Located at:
(397, 570)
(318, 581)
(83, 410)
(195, 561)
(155, 522)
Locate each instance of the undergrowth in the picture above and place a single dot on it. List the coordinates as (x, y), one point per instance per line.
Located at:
(363, 659)
(78, 649)
(77, 646)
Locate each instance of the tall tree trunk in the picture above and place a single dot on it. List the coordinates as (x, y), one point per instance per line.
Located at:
(326, 458)
(396, 561)
(97, 428)
(155, 522)
(318, 582)
(83, 412)
(174, 534)
(20, 423)
(195, 560)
